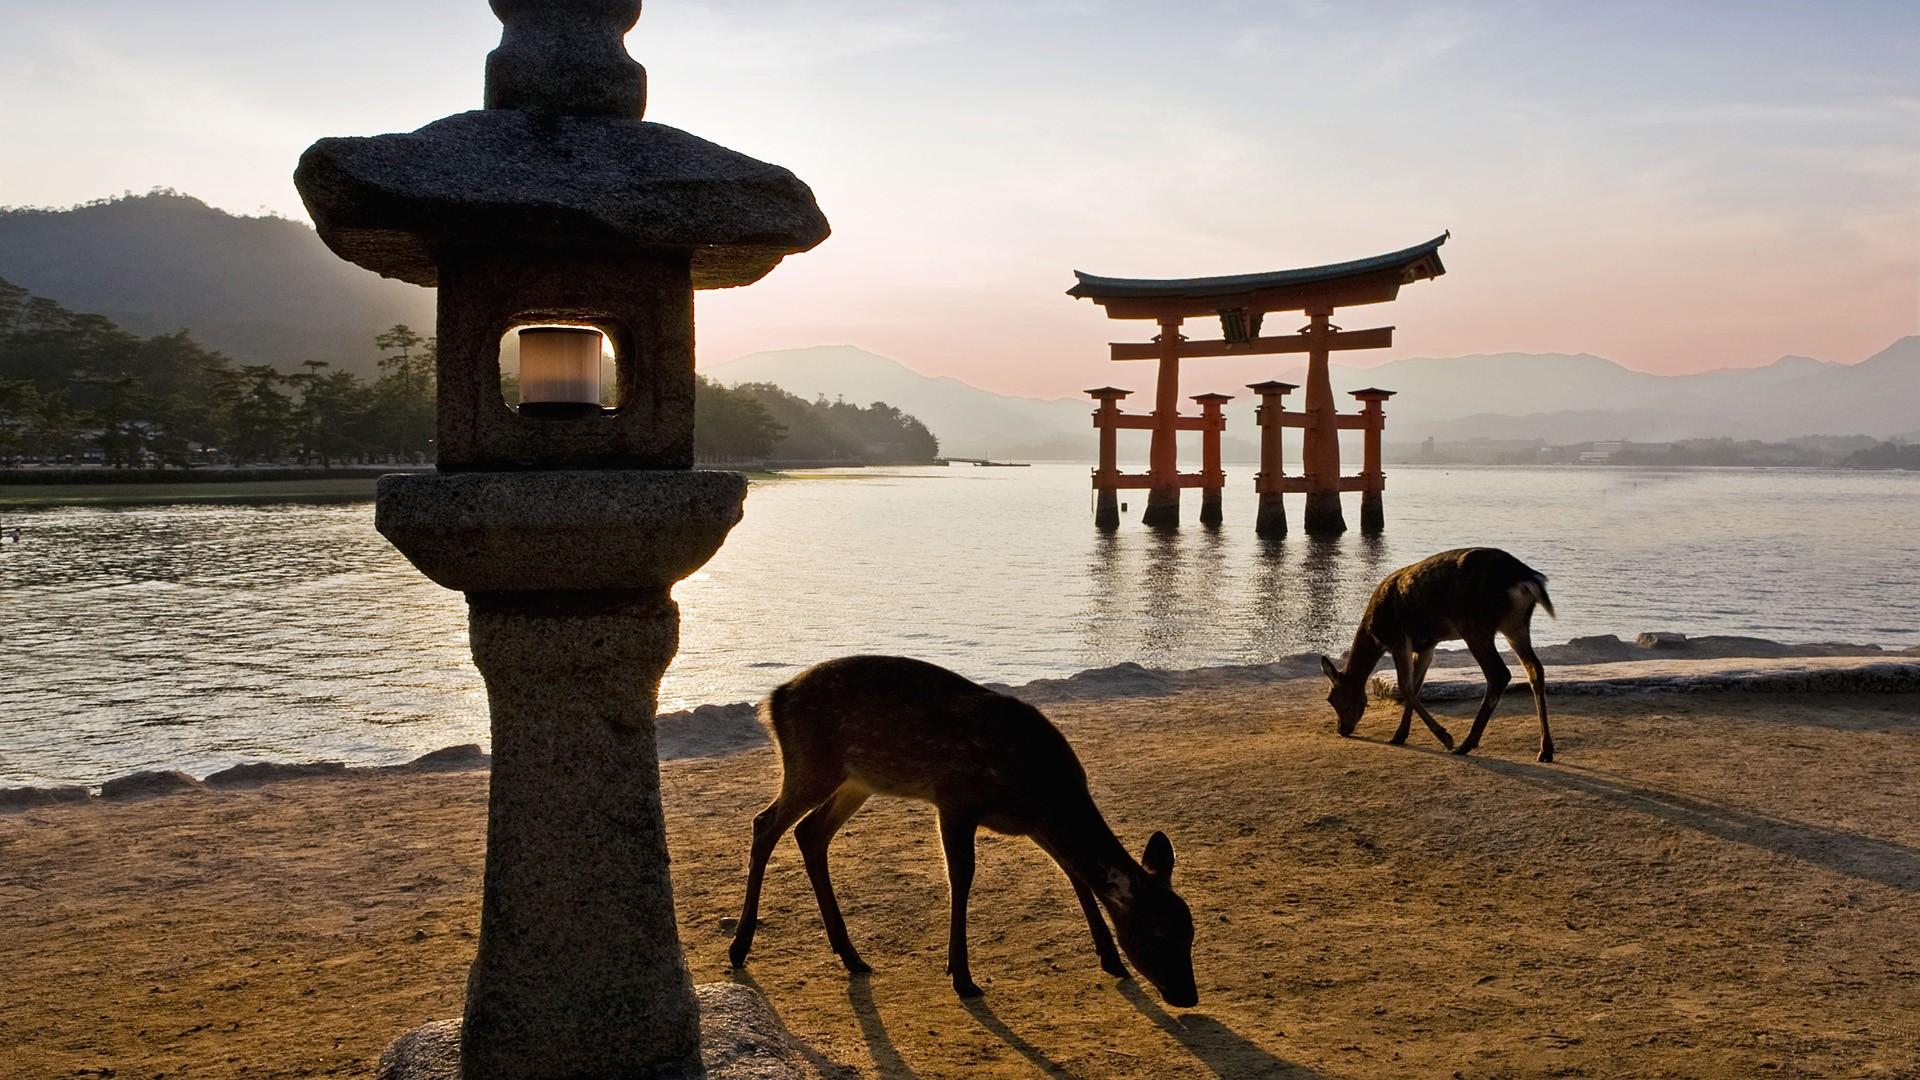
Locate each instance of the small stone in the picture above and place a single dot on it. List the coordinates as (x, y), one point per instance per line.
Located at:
(467, 757)
(254, 773)
(26, 798)
(1662, 639)
(142, 785)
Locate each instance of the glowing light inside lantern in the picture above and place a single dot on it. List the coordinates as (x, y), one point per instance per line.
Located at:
(560, 370)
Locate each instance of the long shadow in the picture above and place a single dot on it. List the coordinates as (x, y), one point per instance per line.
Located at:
(886, 1057)
(985, 1015)
(825, 1066)
(1880, 861)
(1220, 1048)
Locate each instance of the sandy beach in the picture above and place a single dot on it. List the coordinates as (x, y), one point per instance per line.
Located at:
(1706, 885)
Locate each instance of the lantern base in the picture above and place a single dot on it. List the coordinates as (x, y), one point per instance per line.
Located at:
(740, 1039)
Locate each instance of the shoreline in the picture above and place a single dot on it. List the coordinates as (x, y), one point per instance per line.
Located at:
(1659, 662)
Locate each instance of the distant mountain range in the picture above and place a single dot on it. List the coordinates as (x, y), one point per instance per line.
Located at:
(1555, 397)
(260, 289)
(266, 289)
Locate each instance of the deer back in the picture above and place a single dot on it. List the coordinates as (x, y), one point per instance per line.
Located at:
(1455, 594)
(909, 728)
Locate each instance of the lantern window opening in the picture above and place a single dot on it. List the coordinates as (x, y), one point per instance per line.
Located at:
(559, 371)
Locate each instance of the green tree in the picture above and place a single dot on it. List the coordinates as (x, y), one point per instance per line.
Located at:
(258, 416)
(403, 399)
(729, 425)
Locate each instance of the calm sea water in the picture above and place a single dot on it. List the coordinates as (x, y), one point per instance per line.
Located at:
(196, 636)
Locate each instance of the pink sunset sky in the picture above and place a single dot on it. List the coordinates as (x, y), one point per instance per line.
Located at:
(1675, 187)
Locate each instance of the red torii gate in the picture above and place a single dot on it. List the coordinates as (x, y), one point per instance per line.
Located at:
(1241, 302)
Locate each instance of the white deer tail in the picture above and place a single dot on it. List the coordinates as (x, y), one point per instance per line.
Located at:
(1536, 587)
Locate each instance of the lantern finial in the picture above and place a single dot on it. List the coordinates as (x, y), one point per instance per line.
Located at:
(568, 57)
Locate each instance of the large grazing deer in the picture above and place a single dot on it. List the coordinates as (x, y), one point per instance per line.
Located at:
(862, 725)
(1468, 594)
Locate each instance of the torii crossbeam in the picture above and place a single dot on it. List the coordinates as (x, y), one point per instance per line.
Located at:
(1241, 303)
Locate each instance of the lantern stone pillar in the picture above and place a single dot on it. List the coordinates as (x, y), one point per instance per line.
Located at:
(1212, 476)
(1373, 475)
(557, 205)
(1106, 477)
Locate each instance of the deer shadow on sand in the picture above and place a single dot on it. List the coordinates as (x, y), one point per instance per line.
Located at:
(827, 1068)
(886, 1056)
(1864, 857)
(1224, 1051)
(984, 1014)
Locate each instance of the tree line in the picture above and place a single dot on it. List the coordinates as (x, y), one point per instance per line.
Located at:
(75, 388)
(760, 421)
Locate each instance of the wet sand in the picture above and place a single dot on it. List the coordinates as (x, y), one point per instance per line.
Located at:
(1706, 885)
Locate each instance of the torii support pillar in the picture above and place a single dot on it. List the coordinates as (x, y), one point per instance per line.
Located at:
(1373, 478)
(1163, 457)
(1271, 416)
(1212, 476)
(1106, 478)
(1320, 454)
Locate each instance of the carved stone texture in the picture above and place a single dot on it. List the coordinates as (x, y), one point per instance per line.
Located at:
(524, 183)
(588, 530)
(645, 306)
(579, 971)
(566, 56)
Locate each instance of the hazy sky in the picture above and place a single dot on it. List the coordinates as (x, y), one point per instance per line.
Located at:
(1676, 186)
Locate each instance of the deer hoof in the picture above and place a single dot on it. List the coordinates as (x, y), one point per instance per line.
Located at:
(1397, 740)
(1546, 757)
(1112, 966)
(966, 989)
(738, 954)
(855, 965)
(1463, 749)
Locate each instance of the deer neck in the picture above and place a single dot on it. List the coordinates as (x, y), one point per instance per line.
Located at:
(1362, 657)
(1083, 844)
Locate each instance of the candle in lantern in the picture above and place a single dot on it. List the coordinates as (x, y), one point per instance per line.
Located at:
(559, 370)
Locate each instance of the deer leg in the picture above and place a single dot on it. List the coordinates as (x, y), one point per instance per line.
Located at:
(1522, 643)
(956, 839)
(1495, 669)
(1110, 961)
(1403, 661)
(769, 826)
(813, 835)
(1102, 937)
(1420, 664)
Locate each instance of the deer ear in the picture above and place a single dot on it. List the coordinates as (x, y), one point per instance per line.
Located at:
(1158, 858)
(1332, 670)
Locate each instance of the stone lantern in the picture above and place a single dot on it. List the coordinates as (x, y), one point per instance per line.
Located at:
(565, 523)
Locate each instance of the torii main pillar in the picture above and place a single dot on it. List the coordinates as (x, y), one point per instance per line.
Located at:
(1320, 454)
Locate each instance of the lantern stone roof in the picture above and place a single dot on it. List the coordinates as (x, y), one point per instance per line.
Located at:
(520, 181)
(559, 163)
(1408, 265)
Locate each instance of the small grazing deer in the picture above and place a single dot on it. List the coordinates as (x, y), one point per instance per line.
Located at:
(1469, 594)
(862, 725)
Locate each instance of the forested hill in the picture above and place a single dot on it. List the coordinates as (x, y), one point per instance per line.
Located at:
(75, 388)
(264, 289)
